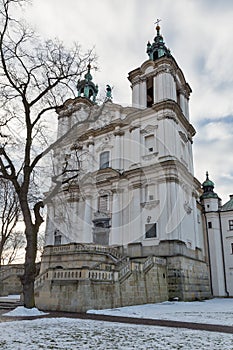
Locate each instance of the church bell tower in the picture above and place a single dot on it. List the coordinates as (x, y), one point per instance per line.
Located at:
(159, 78)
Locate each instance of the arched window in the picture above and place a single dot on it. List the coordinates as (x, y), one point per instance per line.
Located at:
(104, 159)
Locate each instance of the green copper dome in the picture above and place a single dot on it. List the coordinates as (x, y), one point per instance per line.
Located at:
(208, 188)
(208, 182)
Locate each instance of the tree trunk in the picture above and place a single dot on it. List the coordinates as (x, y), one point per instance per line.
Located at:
(30, 267)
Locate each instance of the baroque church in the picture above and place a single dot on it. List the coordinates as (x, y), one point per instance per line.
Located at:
(131, 224)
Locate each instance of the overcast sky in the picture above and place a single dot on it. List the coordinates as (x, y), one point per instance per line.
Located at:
(199, 34)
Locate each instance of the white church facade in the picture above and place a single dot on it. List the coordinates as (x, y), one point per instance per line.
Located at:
(128, 228)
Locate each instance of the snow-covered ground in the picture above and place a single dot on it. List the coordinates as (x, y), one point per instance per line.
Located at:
(215, 311)
(68, 333)
(21, 311)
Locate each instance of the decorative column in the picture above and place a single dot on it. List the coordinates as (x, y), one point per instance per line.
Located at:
(87, 225)
(173, 211)
(115, 237)
(135, 94)
(186, 102)
(50, 227)
(164, 86)
(157, 88)
(182, 101)
(170, 85)
(135, 213)
(118, 161)
(135, 148)
(143, 94)
(90, 145)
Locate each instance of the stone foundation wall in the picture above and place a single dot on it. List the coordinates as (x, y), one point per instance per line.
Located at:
(81, 295)
(79, 277)
(10, 282)
(188, 279)
(11, 285)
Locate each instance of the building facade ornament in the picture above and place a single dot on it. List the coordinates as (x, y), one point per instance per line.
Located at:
(170, 116)
(150, 205)
(187, 208)
(148, 129)
(183, 136)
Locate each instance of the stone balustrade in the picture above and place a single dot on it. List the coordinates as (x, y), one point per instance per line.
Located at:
(74, 274)
(124, 271)
(99, 274)
(90, 248)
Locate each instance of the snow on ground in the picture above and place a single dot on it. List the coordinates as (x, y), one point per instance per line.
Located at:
(67, 334)
(215, 311)
(22, 311)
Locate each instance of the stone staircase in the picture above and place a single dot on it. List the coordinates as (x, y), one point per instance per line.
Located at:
(8, 304)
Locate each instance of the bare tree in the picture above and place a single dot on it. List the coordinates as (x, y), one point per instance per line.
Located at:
(12, 247)
(11, 240)
(35, 78)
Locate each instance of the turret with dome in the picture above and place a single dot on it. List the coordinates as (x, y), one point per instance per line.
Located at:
(208, 188)
(158, 48)
(86, 88)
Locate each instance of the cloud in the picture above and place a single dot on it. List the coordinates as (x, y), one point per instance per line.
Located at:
(212, 153)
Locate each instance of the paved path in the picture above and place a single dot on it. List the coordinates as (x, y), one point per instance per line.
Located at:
(120, 319)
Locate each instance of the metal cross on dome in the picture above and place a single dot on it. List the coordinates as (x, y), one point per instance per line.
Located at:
(157, 22)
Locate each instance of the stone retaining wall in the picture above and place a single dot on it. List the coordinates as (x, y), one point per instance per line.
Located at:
(137, 287)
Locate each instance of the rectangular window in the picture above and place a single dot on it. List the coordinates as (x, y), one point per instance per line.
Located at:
(103, 203)
(104, 160)
(230, 225)
(57, 237)
(209, 224)
(149, 143)
(231, 248)
(151, 230)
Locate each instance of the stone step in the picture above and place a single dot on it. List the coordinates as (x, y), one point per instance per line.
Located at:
(10, 305)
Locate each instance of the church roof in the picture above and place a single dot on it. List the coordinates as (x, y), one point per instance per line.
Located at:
(228, 205)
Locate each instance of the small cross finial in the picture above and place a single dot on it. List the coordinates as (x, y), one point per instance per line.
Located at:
(157, 22)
